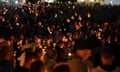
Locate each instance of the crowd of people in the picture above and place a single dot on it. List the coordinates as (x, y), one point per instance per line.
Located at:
(59, 38)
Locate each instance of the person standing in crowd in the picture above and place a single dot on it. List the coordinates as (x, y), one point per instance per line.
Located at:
(61, 67)
(80, 62)
(60, 51)
(6, 64)
(37, 66)
(29, 58)
(107, 58)
(51, 59)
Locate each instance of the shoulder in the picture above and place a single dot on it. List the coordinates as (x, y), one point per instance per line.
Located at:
(117, 69)
(74, 61)
(98, 69)
(77, 66)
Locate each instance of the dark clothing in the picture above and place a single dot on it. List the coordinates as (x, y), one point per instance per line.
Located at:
(60, 54)
(6, 66)
(21, 69)
(108, 67)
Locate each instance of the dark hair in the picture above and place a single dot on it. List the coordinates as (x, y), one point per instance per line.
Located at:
(107, 52)
(38, 50)
(36, 66)
(81, 45)
(62, 68)
(30, 55)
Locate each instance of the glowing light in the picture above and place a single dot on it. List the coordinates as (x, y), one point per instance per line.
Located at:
(88, 15)
(75, 14)
(17, 24)
(49, 1)
(56, 15)
(54, 44)
(111, 2)
(92, 0)
(80, 18)
(72, 17)
(61, 12)
(69, 54)
(16, 2)
(50, 32)
(68, 20)
(82, 0)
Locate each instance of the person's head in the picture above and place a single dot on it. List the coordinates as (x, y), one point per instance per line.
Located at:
(37, 66)
(38, 39)
(61, 68)
(107, 56)
(5, 51)
(29, 59)
(51, 54)
(83, 49)
(60, 44)
(38, 52)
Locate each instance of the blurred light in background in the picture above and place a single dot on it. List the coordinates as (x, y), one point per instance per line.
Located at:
(92, 0)
(113, 2)
(49, 1)
(82, 0)
(16, 2)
